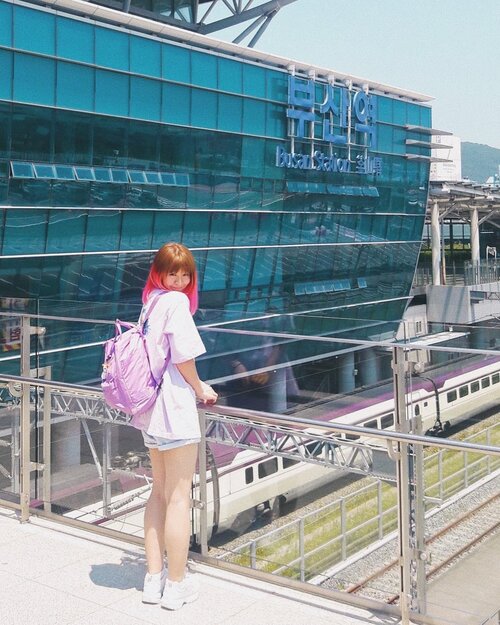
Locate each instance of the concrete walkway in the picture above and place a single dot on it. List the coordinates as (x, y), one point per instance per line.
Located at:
(51, 574)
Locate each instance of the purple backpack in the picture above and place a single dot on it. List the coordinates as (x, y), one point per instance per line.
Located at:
(127, 381)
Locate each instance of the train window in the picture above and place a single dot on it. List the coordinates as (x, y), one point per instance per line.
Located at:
(451, 396)
(474, 387)
(268, 467)
(248, 475)
(351, 437)
(495, 378)
(485, 382)
(417, 410)
(288, 462)
(463, 391)
(387, 421)
(371, 424)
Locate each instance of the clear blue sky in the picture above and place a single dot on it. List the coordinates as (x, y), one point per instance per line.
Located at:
(448, 49)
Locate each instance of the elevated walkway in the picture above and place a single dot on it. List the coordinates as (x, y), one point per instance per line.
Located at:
(55, 575)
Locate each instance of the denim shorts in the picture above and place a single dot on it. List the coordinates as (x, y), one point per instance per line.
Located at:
(162, 444)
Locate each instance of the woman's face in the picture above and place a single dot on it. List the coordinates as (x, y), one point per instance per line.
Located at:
(177, 280)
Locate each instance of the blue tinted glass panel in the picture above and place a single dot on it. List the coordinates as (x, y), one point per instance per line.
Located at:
(102, 174)
(264, 266)
(64, 172)
(145, 56)
(167, 227)
(204, 69)
(182, 180)
(111, 93)
(168, 179)
(230, 75)
(75, 40)
(145, 98)
(277, 86)
(65, 231)
(230, 113)
(384, 138)
(84, 173)
(425, 116)
(196, 227)
(137, 176)
(137, 230)
(34, 30)
(399, 137)
(216, 271)
(5, 24)
(5, 75)
(254, 117)
(275, 121)
(413, 114)
(241, 268)
(176, 63)
(111, 49)
(103, 231)
(119, 175)
(24, 230)
(34, 79)
(384, 109)
(176, 104)
(75, 86)
(153, 177)
(22, 170)
(254, 81)
(44, 171)
(398, 112)
(203, 109)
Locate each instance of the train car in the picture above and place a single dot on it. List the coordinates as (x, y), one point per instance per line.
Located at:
(245, 480)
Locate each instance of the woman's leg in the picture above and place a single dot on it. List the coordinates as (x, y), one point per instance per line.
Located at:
(178, 465)
(154, 516)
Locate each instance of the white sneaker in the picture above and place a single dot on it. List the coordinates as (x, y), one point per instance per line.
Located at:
(153, 586)
(176, 594)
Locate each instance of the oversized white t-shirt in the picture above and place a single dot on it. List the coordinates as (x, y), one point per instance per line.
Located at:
(171, 338)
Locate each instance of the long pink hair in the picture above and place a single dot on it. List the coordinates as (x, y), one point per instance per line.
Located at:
(172, 257)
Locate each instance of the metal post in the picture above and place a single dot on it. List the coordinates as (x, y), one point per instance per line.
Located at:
(106, 468)
(420, 555)
(403, 480)
(343, 529)
(435, 244)
(474, 244)
(25, 419)
(302, 550)
(47, 436)
(202, 472)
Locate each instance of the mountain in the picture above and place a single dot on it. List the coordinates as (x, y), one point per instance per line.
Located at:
(479, 161)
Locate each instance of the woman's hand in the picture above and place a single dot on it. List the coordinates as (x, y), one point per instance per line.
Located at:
(206, 394)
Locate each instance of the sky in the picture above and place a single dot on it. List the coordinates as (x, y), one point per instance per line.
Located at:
(447, 49)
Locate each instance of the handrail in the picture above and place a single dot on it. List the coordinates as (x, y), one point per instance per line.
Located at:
(281, 420)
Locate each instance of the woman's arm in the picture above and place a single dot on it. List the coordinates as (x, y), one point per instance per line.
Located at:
(203, 391)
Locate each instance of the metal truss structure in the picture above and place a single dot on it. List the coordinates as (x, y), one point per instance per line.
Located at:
(206, 16)
(325, 449)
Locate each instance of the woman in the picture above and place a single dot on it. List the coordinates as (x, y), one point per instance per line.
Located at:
(171, 428)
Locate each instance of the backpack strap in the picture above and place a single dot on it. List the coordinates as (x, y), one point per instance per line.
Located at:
(151, 307)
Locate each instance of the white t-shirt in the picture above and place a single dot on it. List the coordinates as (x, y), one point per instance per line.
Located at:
(171, 338)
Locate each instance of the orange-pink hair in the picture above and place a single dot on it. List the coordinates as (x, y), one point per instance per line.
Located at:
(172, 257)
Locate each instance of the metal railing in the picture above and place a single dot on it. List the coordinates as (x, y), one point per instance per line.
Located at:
(33, 407)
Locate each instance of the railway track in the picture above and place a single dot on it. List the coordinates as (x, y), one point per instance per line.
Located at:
(446, 545)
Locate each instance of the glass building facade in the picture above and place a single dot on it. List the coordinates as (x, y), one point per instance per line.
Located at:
(298, 192)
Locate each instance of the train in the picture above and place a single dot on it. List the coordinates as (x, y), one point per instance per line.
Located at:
(247, 481)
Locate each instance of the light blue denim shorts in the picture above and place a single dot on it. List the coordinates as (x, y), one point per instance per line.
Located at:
(162, 444)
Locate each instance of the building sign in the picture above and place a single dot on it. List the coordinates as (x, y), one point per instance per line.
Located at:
(342, 118)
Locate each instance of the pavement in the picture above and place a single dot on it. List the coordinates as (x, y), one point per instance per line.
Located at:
(51, 574)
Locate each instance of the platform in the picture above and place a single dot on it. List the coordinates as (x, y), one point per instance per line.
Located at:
(55, 575)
